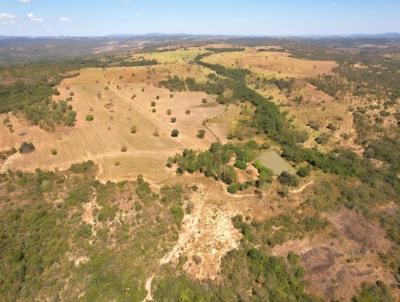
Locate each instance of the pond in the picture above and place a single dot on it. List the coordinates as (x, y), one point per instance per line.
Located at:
(272, 160)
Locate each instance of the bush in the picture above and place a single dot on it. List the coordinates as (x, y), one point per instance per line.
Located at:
(173, 119)
(26, 147)
(175, 133)
(304, 171)
(288, 179)
(177, 214)
(81, 168)
(322, 139)
(378, 292)
(240, 164)
(89, 118)
(133, 129)
(234, 188)
(201, 134)
(228, 175)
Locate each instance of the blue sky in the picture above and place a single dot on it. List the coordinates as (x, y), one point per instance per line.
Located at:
(244, 17)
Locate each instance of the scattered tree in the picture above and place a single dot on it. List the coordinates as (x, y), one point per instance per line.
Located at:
(175, 133)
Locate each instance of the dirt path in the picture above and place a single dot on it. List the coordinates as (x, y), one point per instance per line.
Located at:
(302, 188)
(3, 167)
(149, 282)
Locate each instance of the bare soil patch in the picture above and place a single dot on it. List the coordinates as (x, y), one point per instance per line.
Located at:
(337, 264)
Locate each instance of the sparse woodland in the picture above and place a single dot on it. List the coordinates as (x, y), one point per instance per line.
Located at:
(68, 235)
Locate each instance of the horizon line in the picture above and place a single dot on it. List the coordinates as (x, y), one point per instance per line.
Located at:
(205, 35)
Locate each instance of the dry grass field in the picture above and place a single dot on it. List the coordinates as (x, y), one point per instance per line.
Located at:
(272, 64)
(118, 99)
(179, 56)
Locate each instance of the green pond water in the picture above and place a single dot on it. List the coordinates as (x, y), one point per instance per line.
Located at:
(272, 160)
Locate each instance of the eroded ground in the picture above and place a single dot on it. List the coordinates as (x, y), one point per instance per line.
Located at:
(337, 266)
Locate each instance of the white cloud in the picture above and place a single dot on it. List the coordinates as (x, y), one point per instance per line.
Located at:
(7, 18)
(33, 18)
(25, 1)
(65, 19)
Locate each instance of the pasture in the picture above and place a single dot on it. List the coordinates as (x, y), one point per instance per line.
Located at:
(119, 101)
(272, 64)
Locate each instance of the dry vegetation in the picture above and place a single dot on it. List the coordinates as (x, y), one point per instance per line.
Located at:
(203, 239)
(115, 111)
(273, 64)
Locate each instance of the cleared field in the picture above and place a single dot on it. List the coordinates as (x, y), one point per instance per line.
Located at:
(119, 99)
(272, 64)
(275, 162)
(173, 56)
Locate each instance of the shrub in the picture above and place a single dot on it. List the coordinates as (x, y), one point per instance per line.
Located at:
(124, 149)
(228, 175)
(173, 119)
(175, 133)
(54, 152)
(26, 147)
(322, 139)
(240, 164)
(188, 112)
(81, 168)
(304, 171)
(234, 188)
(288, 179)
(377, 292)
(153, 104)
(89, 117)
(177, 213)
(201, 134)
(283, 192)
(169, 112)
(314, 125)
(133, 129)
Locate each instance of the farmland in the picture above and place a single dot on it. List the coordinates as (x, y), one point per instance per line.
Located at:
(115, 113)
